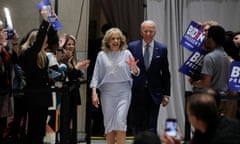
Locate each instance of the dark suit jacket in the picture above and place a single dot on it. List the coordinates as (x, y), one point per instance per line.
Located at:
(157, 75)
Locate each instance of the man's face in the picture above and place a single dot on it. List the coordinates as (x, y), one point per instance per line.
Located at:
(148, 32)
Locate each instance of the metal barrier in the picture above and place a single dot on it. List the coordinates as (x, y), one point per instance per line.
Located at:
(60, 114)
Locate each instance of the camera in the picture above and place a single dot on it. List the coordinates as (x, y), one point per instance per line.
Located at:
(171, 127)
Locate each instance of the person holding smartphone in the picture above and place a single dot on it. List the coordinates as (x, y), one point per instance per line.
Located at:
(8, 57)
(210, 128)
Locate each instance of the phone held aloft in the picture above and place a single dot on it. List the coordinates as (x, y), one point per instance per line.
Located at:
(171, 127)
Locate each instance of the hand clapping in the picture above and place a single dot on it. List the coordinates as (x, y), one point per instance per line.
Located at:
(82, 65)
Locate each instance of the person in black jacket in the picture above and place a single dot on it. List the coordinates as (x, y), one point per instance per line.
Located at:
(16, 128)
(7, 59)
(37, 96)
(210, 128)
(69, 102)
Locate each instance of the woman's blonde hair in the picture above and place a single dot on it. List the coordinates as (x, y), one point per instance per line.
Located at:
(210, 23)
(42, 59)
(30, 41)
(107, 38)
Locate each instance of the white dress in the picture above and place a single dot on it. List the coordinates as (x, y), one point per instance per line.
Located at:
(113, 77)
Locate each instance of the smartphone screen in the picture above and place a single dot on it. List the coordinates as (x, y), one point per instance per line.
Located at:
(171, 127)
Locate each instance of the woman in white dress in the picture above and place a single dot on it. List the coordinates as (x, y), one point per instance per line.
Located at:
(112, 75)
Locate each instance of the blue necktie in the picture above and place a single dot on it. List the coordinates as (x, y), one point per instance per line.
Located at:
(146, 56)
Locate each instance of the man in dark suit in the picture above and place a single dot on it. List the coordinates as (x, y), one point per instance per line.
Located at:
(152, 87)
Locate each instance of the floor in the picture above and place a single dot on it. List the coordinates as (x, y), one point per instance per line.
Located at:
(101, 140)
(51, 138)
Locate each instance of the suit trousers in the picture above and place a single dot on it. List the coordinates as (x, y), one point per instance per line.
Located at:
(145, 114)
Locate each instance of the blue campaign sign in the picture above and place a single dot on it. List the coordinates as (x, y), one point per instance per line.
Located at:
(193, 37)
(194, 62)
(234, 78)
(46, 4)
(43, 3)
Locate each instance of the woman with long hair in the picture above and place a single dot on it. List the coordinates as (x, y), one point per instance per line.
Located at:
(112, 75)
(37, 94)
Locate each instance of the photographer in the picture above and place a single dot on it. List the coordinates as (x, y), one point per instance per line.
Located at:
(210, 128)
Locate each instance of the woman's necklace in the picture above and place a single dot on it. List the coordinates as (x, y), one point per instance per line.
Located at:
(114, 60)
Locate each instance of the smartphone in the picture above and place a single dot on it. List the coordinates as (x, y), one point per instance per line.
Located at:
(171, 127)
(10, 34)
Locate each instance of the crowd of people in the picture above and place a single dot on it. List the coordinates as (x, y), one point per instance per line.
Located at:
(130, 77)
(40, 61)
